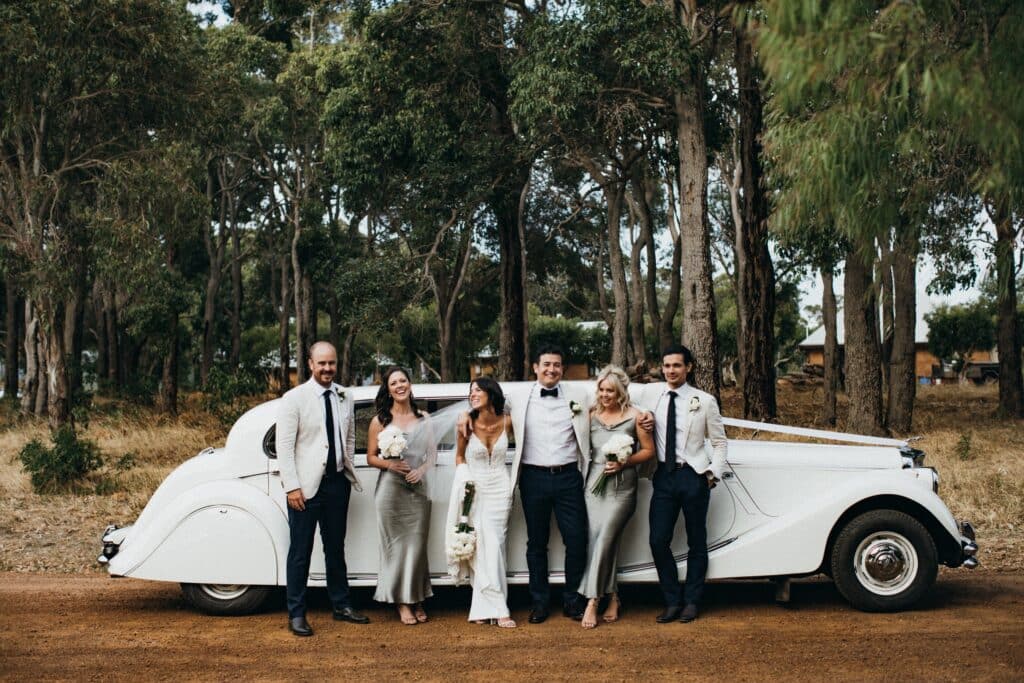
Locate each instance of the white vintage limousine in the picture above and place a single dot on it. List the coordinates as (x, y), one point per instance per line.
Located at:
(867, 513)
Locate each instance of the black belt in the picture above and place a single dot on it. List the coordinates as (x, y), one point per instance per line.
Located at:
(673, 466)
(550, 470)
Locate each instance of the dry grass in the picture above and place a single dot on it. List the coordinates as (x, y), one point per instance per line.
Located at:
(983, 483)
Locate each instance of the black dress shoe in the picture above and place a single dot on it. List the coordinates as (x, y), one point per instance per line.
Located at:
(689, 614)
(573, 611)
(350, 615)
(299, 626)
(539, 614)
(670, 614)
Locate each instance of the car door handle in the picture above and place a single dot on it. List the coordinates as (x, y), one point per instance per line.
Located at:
(727, 475)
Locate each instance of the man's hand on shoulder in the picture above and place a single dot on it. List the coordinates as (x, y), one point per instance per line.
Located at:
(296, 501)
(646, 421)
(464, 425)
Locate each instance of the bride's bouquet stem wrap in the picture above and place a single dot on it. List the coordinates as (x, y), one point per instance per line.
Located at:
(462, 542)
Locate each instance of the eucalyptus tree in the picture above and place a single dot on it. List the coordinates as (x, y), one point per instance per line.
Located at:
(412, 140)
(594, 89)
(74, 102)
(235, 80)
(890, 82)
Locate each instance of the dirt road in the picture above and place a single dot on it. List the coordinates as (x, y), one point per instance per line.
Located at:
(93, 628)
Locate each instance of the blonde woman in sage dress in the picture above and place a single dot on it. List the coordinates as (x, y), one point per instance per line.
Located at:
(610, 511)
(403, 505)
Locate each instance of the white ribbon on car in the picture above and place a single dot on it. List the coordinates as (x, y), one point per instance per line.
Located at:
(814, 433)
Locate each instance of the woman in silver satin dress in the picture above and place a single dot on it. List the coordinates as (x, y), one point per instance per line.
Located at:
(403, 505)
(609, 512)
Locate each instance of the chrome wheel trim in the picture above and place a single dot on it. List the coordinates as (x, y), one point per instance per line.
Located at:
(223, 591)
(885, 563)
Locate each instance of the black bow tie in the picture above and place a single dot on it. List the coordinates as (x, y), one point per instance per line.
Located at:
(549, 392)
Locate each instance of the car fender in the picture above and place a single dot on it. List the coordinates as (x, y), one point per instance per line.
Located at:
(224, 532)
(797, 542)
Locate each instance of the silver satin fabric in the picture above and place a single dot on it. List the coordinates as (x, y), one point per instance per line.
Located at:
(403, 524)
(608, 513)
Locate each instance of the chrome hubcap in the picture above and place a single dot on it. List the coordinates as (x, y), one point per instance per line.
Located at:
(885, 563)
(223, 591)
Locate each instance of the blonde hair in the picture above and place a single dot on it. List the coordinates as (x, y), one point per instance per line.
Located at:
(619, 381)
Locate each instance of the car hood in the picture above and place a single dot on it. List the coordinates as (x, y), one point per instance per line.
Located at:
(776, 454)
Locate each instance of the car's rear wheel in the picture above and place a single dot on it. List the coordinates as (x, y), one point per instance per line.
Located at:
(883, 561)
(226, 599)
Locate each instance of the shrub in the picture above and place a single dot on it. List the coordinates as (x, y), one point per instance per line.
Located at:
(963, 447)
(55, 468)
(225, 391)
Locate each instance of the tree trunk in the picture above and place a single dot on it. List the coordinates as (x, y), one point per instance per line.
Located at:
(58, 405)
(902, 364)
(74, 315)
(1008, 342)
(11, 340)
(345, 361)
(613, 193)
(863, 366)
(829, 314)
(886, 295)
(113, 343)
(509, 207)
(99, 330)
(756, 276)
(236, 296)
(31, 388)
(699, 317)
(636, 304)
(305, 340)
(169, 376)
(284, 353)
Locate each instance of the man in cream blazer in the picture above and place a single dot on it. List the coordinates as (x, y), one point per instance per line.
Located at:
(315, 443)
(684, 419)
(552, 431)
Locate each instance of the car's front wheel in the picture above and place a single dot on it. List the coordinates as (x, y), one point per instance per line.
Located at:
(226, 599)
(883, 561)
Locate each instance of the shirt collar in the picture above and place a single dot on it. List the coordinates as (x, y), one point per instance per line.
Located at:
(681, 390)
(538, 386)
(320, 388)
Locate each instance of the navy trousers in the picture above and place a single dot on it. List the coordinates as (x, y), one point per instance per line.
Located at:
(542, 492)
(329, 508)
(676, 490)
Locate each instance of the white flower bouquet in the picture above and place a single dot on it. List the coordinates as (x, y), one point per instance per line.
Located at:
(617, 449)
(391, 443)
(462, 542)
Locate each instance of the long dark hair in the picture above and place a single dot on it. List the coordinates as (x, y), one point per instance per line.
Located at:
(383, 403)
(495, 395)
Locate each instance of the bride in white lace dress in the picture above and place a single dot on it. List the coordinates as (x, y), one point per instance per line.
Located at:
(481, 459)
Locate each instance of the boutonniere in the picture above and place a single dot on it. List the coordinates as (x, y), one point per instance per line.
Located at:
(575, 407)
(340, 393)
(694, 404)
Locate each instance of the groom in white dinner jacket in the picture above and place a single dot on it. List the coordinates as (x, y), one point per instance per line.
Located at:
(315, 444)
(552, 430)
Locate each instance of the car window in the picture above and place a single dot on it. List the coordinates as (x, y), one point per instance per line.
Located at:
(365, 413)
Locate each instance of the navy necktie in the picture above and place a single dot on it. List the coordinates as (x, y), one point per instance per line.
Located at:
(332, 455)
(670, 430)
(549, 392)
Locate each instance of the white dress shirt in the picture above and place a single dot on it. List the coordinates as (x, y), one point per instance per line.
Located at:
(549, 437)
(661, 422)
